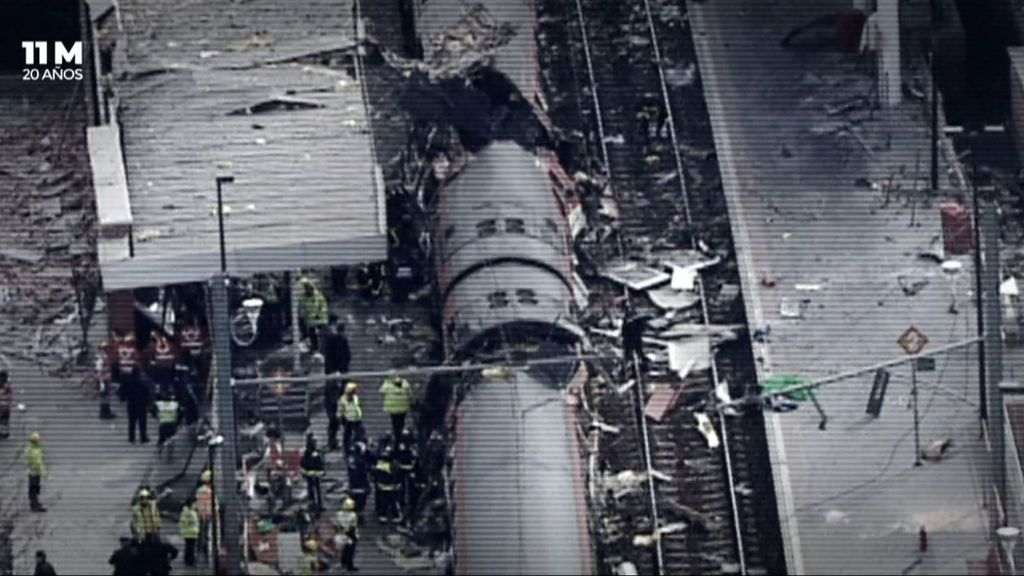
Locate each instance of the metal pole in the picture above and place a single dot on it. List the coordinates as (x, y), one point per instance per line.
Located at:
(978, 289)
(993, 350)
(220, 220)
(935, 120)
(224, 403)
(917, 415)
(214, 539)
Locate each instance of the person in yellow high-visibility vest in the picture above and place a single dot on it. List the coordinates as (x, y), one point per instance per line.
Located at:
(315, 312)
(350, 411)
(35, 461)
(188, 525)
(145, 515)
(397, 400)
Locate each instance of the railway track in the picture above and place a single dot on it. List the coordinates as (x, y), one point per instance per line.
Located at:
(653, 145)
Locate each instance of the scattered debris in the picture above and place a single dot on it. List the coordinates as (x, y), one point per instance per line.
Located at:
(662, 402)
(936, 450)
(837, 517)
(707, 429)
(911, 287)
(635, 276)
(791, 309)
(667, 298)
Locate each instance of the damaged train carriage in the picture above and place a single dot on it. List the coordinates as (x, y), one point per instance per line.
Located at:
(505, 277)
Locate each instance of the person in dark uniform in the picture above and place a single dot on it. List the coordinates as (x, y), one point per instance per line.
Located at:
(387, 488)
(312, 465)
(337, 357)
(135, 394)
(405, 462)
(157, 555)
(43, 568)
(125, 560)
(359, 464)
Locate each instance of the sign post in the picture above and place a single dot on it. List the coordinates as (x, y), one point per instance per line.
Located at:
(913, 341)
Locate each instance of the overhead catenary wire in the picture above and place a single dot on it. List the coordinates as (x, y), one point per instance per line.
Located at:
(420, 370)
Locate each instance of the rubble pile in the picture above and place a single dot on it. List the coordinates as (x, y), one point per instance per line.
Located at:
(48, 225)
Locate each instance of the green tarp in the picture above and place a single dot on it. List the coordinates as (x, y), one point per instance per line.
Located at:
(774, 384)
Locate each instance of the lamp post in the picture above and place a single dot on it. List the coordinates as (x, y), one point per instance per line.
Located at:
(221, 180)
(211, 446)
(224, 402)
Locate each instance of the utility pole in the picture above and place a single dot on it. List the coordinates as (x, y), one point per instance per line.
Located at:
(890, 72)
(224, 407)
(992, 355)
(917, 414)
(224, 403)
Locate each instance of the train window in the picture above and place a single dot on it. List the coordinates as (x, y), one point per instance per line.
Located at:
(486, 228)
(515, 226)
(498, 299)
(526, 296)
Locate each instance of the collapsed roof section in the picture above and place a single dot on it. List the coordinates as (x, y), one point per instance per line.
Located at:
(479, 71)
(210, 89)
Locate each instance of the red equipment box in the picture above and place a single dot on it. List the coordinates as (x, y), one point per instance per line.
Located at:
(957, 229)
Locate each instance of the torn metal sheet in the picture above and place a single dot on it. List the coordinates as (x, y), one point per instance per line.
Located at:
(635, 276)
(668, 298)
(697, 349)
(1009, 287)
(706, 428)
(685, 330)
(662, 402)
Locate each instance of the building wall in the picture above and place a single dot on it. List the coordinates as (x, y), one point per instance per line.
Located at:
(1017, 97)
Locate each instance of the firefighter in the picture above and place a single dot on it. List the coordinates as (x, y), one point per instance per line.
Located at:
(309, 562)
(103, 373)
(168, 411)
(359, 464)
(188, 525)
(6, 403)
(347, 522)
(162, 356)
(192, 343)
(405, 461)
(387, 489)
(127, 359)
(204, 508)
(146, 519)
(351, 413)
(314, 309)
(397, 394)
(312, 466)
(35, 461)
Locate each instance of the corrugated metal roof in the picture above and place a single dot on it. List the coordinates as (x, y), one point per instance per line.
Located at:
(305, 180)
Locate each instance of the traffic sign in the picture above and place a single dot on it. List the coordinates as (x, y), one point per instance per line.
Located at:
(912, 341)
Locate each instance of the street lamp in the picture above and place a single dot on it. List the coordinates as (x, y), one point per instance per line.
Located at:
(1008, 536)
(211, 446)
(221, 180)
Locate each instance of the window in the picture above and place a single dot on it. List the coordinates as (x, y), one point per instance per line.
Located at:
(486, 228)
(498, 299)
(449, 232)
(526, 296)
(515, 226)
